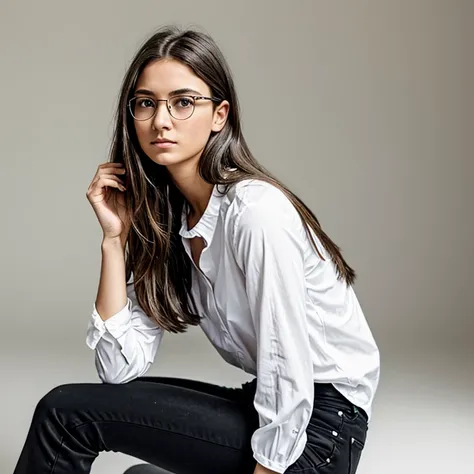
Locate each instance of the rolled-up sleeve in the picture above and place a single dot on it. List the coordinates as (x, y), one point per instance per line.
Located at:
(126, 343)
(269, 247)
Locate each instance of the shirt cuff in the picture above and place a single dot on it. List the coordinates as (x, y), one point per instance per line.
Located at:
(116, 325)
(272, 465)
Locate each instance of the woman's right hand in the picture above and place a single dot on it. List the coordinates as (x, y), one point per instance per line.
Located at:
(105, 193)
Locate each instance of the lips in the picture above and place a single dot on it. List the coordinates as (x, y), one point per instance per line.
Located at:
(162, 140)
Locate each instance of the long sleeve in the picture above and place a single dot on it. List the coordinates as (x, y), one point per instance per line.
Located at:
(269, 247)
(125, 344)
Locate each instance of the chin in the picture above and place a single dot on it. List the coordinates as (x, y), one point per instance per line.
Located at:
(172, 158)
(162, 157)
(165, 159)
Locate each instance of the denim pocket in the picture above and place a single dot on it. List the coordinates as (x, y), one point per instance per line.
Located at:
(355, 452)
(324, 442)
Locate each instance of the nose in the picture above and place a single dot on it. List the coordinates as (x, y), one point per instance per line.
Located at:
(162, 118)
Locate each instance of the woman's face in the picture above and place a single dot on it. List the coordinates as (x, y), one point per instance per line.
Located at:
(171, 79)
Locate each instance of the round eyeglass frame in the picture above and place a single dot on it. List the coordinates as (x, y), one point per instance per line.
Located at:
(168, 106)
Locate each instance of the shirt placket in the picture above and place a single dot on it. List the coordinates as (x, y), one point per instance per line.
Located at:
(212, 306)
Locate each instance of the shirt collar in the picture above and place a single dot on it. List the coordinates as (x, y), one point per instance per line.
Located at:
(207, 223)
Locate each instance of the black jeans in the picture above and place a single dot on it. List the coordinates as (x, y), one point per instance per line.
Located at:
(184, 426)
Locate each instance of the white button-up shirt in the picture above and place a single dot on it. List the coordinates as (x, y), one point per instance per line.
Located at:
(270, 306)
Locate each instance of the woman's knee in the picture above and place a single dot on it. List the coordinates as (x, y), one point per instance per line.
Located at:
(61, 399)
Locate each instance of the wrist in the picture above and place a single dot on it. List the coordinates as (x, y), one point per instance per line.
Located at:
(259, 469)
(112, 243)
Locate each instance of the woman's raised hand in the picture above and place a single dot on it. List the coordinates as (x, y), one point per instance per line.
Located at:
(105, 193)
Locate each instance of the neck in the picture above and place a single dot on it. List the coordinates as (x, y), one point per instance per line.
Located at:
(196, 191)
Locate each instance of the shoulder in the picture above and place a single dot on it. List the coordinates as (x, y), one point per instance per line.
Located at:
(256, 204)
(257, 195)
(249, 191)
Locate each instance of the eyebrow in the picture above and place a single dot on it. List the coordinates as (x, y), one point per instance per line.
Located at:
(182, 91)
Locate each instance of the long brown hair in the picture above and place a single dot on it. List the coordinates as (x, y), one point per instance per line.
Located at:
(155, 253)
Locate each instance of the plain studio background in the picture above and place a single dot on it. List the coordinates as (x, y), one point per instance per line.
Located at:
(365, 109)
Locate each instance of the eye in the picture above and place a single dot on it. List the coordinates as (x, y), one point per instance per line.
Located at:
(145, 103)
(182, 102)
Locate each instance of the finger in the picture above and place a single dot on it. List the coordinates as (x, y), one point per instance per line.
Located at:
(108, 166)
(111, 176)
(112, 169)
(116, 183)
(109, 172)
(97, 189)
(98, 178)
(105, 165)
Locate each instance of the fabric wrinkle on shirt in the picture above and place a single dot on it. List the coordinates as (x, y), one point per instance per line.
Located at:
(270, 306)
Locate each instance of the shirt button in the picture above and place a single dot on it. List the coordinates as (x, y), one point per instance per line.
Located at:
(334, 433)
(294, 431)
(340, 413)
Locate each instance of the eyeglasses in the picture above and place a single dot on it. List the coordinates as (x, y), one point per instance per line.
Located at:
(179, 107)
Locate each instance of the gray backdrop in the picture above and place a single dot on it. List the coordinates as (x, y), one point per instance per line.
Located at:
(365, 109)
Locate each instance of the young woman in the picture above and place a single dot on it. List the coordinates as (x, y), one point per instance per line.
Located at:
(196, 232)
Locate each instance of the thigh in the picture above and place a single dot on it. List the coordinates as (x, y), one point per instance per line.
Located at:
(180, 428)
(229, 393)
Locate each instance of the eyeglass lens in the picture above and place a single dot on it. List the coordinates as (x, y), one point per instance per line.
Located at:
(143, 108)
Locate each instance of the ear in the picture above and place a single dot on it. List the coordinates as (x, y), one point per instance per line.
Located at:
(220, 116)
